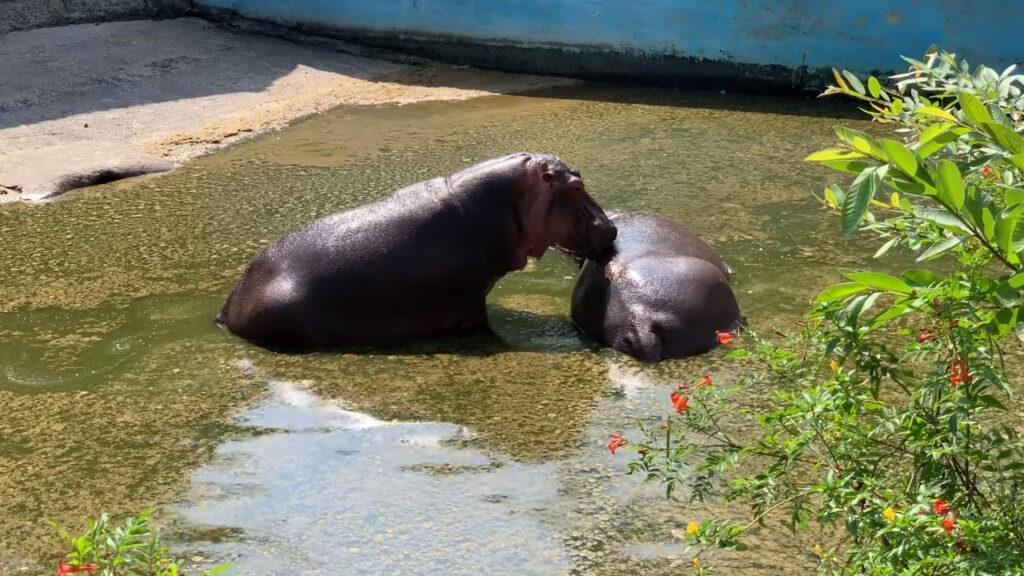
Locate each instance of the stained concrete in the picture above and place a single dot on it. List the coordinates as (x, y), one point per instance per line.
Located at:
(29, 14)
(89, 103)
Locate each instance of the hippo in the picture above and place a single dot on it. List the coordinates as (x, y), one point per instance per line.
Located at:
(417, 262)
(660, 293)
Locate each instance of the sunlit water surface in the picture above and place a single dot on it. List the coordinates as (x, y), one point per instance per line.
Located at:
(465, 455)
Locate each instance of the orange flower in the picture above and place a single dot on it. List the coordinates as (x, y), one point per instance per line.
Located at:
(679, 401)
(958, 373)
(616, 441)
(949, 523)
(705, 380)
(940, 507)
(724, 336)
(63, 568)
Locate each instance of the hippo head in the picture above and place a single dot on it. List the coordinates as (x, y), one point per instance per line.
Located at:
(562, 214)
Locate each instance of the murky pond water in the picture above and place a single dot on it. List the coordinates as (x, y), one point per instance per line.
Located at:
(456, 456)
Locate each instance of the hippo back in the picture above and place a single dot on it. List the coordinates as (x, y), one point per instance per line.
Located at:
(642, 234)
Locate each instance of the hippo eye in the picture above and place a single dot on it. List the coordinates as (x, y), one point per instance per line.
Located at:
(576, 173)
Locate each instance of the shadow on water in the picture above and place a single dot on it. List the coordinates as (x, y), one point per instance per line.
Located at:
(74, 360)
(508, 330)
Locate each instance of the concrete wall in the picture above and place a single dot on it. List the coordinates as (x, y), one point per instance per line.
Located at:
(769, 43)
(27, 14)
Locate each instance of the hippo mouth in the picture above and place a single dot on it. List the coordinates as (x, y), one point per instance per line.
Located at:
(600, 232)
(597, 239)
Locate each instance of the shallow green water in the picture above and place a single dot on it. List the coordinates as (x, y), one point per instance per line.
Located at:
(120, 392)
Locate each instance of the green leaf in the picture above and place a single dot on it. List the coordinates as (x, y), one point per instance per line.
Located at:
(988, 223)
(950, 184)
(861, 142)
(1016, 281)
(834, 196)
(934, 112)
(855, 205)
(932, 131)
(1017, 160)
(898, 309)
(859, 305)
(839, 292)
(884, 248)
(974, 110)
(839, 80)
(1006, 224)
(940, 140)
(855, 83)
(874, 88)
(990, 401)
(940, 248)
(1013, 196)
(998, 116)
(1005, 137)
(978, 207)
(833, 154)
(921, 278)
(880, 281)
(900, 156)
(848, 166)
(942, 218)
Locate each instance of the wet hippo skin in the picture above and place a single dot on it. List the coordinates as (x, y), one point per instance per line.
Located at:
(661, 292)
(419, 261)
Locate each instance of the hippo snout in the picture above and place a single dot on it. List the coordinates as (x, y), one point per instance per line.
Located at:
(600, 237)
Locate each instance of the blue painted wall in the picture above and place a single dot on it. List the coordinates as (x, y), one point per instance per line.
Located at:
(860, 35)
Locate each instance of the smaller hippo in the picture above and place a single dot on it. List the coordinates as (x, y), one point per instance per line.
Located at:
(661, 293)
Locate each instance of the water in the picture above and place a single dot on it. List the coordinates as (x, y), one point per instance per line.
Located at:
(459, 455)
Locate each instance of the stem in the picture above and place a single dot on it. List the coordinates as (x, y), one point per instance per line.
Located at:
(760, 516)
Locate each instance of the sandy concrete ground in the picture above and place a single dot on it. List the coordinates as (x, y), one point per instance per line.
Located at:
(90, 103)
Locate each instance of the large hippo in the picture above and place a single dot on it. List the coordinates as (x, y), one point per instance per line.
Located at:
(417, 262)
(661, 292)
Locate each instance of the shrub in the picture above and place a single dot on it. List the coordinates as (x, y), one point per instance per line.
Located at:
(132, 549)
(891, 416)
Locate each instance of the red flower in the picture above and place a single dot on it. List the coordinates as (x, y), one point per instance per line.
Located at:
(683, 386)
(63, 568)
(949, 523)
(724, 336)
(958, 373)
(936, 302)
(940, 507)
(924, 337)
(705, 380)
(616, 441)
(679, 401)
(986, 171)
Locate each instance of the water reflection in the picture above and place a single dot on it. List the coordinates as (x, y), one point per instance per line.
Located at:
(331, 491)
